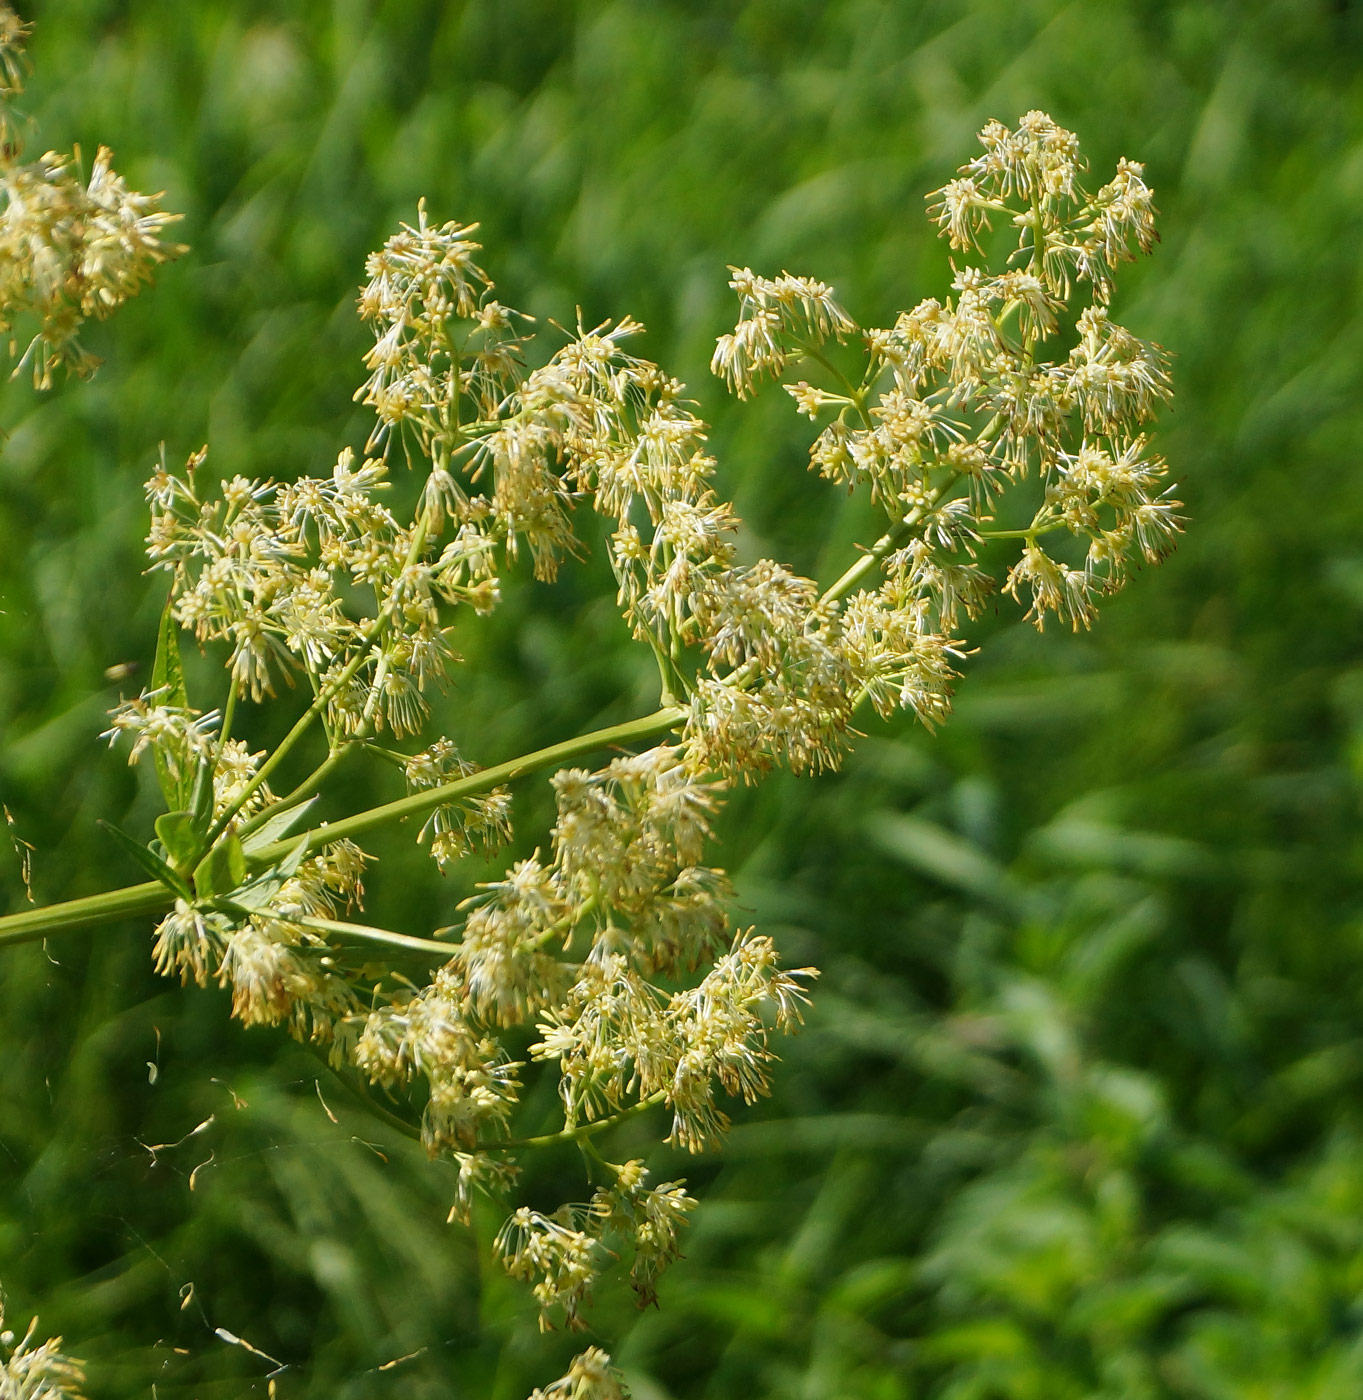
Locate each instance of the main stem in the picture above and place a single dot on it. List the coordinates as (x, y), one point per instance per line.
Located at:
(138, 901)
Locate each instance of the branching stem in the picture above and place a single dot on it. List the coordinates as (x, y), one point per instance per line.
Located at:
(579, 1134)
(138, 901)
(888, 542)
(366, 933)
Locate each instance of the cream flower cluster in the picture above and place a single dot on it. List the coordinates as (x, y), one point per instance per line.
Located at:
(995, 466)
(590, 1377)
(563, 1253)
(72, 246)
(1002, 430)
(40, 1371)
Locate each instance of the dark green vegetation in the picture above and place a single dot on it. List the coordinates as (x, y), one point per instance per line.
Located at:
(1078, 1112)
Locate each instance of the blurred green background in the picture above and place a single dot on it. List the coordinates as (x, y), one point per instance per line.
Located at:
(1079, 1112)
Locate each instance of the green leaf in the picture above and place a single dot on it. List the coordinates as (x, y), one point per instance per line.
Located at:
(149, 861)
(260, 893)
(167, 672)
(168, 676)
(277, 826)
(201, 798)
(222, 869)
(180, 836)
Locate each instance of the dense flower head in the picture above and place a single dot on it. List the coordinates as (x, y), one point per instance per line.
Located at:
(13, 61)
(479, 822)
(780, 318)
(563, 1254)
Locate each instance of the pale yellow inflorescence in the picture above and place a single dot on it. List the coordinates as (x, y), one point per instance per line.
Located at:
(563, 1253)
(72, 246)
(41, 1371)
(590, 1377)
(952, 419)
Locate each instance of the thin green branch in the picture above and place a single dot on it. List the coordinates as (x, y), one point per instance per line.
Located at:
(1031, 534)
(418, 804)
(856, 395)
(301, 726)
(367, 933)
(578, 1134)
(891, 540)
(304, 790)
(137, 901)
(868, 563)
(563, 928)
(229, 711)
(366, 1100)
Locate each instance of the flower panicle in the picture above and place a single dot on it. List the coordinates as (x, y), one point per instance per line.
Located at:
(1000, 473)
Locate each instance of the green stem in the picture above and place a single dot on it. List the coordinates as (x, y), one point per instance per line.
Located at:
(868, 562)
(567, 923)
(304, 722)
(418, 804)
(314, 780)
(93, 910)
(1031, 536)
(578, 1134)
(367, 1102)
(229, 711)
(889, 541)
(141, 900)
(304, 790)
(666, 669)
(857, 396)
(366, 933)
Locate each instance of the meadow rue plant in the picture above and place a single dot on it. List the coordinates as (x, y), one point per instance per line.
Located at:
(612, 945)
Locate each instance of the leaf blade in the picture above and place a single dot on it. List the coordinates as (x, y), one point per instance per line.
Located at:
(168, 678)
(149, 861)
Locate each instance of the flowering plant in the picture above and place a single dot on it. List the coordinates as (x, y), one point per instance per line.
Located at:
(613, 943)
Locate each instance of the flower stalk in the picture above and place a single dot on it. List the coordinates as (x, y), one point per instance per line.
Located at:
(142, 900)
